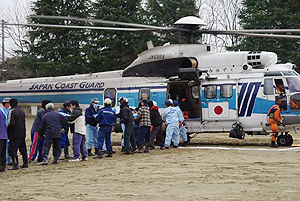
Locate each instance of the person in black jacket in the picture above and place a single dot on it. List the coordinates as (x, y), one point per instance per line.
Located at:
(91, 127)
(64, 140)
(51, 128)
(16, 135)
(126, 117)
(156, 122)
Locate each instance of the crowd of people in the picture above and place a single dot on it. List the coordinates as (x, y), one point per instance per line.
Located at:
(141, 126)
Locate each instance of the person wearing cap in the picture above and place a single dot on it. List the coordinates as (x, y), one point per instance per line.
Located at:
(37, 140)
(17, 134)
(64, 142)
(51, 129)
(126, 117)
(145, 124)
(91, 126)
(182, 129)
(3, 132)
(5, 110)
(170, 116)
(106, 118)
(275, 119)
(78, 130)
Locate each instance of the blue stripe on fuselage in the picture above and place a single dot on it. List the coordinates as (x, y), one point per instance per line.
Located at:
(253, 97)
(241, 95)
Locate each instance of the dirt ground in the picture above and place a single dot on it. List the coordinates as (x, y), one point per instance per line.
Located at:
(212, 167)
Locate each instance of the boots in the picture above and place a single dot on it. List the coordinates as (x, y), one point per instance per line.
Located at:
(109, 154)
(15, 164)
(96, 151)
(273, 144)
(146, 150)
(66, 152)
(25, 164)
(99, 155)
(90, 152)
(185, 143)
(55, 161)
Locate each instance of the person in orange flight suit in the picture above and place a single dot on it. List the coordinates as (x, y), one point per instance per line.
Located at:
(275, 119)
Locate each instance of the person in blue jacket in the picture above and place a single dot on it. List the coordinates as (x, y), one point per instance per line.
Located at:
(106, 118)
(182, 129)
(170, 116)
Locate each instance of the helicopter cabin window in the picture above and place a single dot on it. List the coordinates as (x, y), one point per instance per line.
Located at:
(226, 90)
(280, 90)
(196, 92)
(144, 94)
(112, 94)
(268, 86)
(210, 91)
(294, 88)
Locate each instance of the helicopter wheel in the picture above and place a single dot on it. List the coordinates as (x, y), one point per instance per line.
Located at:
(290, 140)
(284, 140)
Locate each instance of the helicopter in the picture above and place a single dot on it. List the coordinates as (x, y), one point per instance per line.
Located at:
(217, 92)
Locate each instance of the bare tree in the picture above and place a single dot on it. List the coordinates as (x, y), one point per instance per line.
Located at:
(15, 12)
(221, 15)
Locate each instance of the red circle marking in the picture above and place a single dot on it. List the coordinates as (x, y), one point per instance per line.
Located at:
(218, 110)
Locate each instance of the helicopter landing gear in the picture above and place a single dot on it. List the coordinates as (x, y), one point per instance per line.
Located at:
(285, 140)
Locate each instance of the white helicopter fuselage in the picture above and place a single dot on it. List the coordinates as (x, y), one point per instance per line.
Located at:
(236, 87)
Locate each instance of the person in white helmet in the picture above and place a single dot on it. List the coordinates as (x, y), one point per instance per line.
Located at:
(106, 118)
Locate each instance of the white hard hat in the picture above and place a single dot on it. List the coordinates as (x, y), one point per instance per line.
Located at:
(154, 103)
(107, 101)
(171, 101)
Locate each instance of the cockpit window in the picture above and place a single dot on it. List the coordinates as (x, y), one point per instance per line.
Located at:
(294, 84)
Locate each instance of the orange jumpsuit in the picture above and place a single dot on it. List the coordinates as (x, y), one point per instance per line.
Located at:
(274, 119)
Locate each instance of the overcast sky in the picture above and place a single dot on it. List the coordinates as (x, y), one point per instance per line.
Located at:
(9, 11)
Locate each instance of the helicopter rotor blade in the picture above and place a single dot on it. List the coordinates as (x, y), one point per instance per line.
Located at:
(253, 31)
(103, 22)
(269, 35)
(78, 27)
(250, 33)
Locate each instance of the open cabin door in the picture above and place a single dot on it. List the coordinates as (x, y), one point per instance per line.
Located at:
(187, 94)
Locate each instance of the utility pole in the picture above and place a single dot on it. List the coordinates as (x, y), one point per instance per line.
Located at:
(2, 69)
(2, 23)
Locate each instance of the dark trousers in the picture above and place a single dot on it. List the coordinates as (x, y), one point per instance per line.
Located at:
(79, 146)
(2, 154)
(156, 134)
(129, 140)
(14, 146)
(144, 138)
(48, 141)
(137, 133)
(104, 133)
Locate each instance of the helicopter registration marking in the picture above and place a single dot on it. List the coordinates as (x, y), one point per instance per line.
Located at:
(157, 56)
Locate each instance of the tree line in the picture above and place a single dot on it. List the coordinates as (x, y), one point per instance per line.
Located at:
(62, 51)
